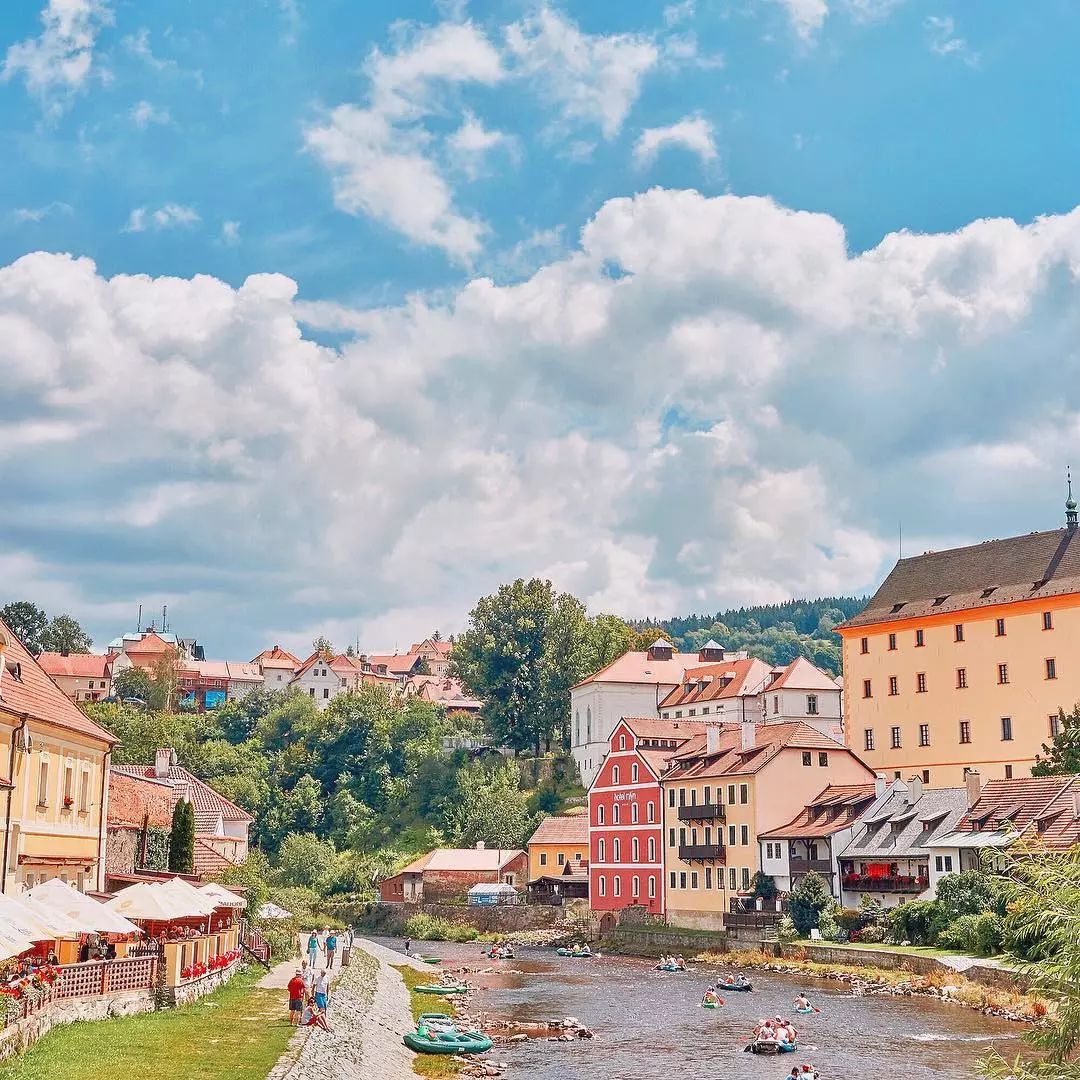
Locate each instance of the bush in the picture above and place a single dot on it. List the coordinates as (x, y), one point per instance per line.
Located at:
(989, 931)
(764, 886)
(807, 901)
(849, 919)
(828, 927)
(785, 930)
(919, 922)
(873, 934)
(431, 928)
(961, 935)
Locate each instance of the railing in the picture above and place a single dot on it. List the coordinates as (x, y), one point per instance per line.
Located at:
(97, 977)
(747, 905)
(804, 866)
(702, 812)
(896, 883)
(701, 852)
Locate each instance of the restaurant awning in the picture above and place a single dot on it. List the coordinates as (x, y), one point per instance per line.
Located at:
(222, 897)
(152, 903)
(87, 914)
(12, 943)
(188, 894)
(21, 916)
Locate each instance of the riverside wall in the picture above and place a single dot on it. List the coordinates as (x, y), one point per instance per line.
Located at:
(642, 941)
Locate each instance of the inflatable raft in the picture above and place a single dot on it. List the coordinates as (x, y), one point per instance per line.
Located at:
(770, 1047)
(446, 990)
(577, 955)
(805, 1011)
(669, 967)
(711, 1004)
(446, 1041)
(430, 959)
(735, 988)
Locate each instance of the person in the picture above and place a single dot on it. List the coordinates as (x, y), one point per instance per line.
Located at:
(322, 988)
(110, 951)
(307, 973)
(740, 979)
(313, 1016)
(680, 963)
(803, 1002)
(786, 1032)
(408, 946)
(296, 997)
(796, 1073)
(313, 947)
(331, 948)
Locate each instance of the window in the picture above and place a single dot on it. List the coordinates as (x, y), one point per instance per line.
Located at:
(811, 704)
(311, 691)
(84, 792)
(588, 724)
(924, 734)
(704, 710)
(69, 787)
(635, 851)
(920, 683)
(864, 645)
(682, 879)
(895, 738)
(866, 691)
(1048, 620)
(731, 835)
(1008, 772)
(965, 731)
(746, 877)
(43, 784)
(650, 811)
(634, 773)
(823, 760)
(635, 886)
(682, 836)
(577, 727)
(671, 797)
(600, 814)
(807, 758)
(614, 775)
(1006, 729)
(561, 858)
(868, 739)
(961, 678)
(948, 864)
(693, 879)
(633, 813)
(1055, 726)
(652, 886)
(999, 627)
(671, 837)
(678, 713)
(615, 814)
(600, 851)
(920, 639)
(671, 880)
(744, 793)
(622, 742)
(731, 794)
(326, 692)
(543, 858)
(958, 632)
(708, 794)
(894, 686)
(616, 885)
(892, 643)
(682, 796)
(602, 885)
(939, 863)
(1003, 674)
(744, 835)
(775, 704)
(652, 849)
(692, 712)
(733, 879)
(708, 877)
(1051, 668)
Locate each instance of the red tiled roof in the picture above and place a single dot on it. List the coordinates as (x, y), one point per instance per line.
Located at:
(204, 799)
(710, 682)
(209, 861)
(651, 727)
(818, 818)
(150, 643)
(36, 694)
(277, 657)
(398, 663)
(560, 829)
(74, 665)
(441, 647)
(1043, 805)
(637, 667)
(464, 860)
(800, 674)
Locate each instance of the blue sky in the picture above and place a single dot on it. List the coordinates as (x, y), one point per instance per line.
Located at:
(369, 307)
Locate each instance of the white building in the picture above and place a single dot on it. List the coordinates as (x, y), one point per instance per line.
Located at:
(323, 677)
(278, 666)
(804, 692)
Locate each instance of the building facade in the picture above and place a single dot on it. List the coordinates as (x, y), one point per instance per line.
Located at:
(963, 658)
(436, 654)
(82, 676)
(447, 874)
(53, 790)
(559, 840)
(139, 823)
(626, 843)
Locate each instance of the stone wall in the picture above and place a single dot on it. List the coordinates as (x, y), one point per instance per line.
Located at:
(197, 988)
(641, 941)
(498, 918)
(122, 849)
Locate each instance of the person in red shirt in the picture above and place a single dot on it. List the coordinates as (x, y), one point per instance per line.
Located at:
(296, 997)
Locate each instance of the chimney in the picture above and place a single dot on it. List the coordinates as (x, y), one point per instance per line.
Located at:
(480, 845)
(65, 651)
(879, 786)
(1076, 803)
(974, 785)
(162, 760)
(749, 735)
(914, 790)
(712, 739)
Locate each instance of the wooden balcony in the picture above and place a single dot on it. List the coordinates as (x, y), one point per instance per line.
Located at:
(701, 852)
(702, 812)
(804, 866)
(900, 883)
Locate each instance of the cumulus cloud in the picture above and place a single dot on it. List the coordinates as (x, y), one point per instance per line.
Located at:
(704, 401)
(144, 114)
(945, 41)
(806, 17)
(693, 133)
(33, 214)
(169, 216)
(58, 62)
(230, 232)
(470, 144)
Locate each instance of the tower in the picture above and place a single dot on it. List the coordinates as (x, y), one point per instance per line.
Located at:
(1070, 504)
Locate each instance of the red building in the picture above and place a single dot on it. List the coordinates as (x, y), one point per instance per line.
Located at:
(447, 874)
(626, 843)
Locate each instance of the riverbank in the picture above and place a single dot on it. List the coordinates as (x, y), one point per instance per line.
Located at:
(867, 980)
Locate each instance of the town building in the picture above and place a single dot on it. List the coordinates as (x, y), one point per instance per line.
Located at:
(53, 786)
(277, 666)
(138, 827)
(813, 839)
(442, 690)
(632, 685)
(558, 840)
(323, 677)
(626, 842)
(436, 654)
(447, 874)
(724, 789)
(399, 665)
(889, 856)
(82, 676)
(963, 658)
(221, 827)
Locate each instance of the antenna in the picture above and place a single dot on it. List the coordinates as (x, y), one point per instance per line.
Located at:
(901, 539)
(139, 630)
(164, 617)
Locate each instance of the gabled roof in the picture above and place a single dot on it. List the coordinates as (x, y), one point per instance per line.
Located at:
(74, 665)
(651, 727)
(558, 829)
(800, 674)
(207, 803)
(444, 691)
(150, 643)
(277, 657)
(638, 667)
(34, 693)
(713, 682)
(1034, 566)
(209, 862)
(464, 860)
(396, 663)
(441, 647)
(1041, 806)
(836, 808)
(906, 826)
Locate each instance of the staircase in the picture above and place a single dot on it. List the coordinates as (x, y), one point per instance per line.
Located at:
(253, 943)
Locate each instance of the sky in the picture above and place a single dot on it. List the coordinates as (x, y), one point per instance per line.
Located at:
(320, 317)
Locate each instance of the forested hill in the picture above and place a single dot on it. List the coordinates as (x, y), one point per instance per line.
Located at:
(777, 633)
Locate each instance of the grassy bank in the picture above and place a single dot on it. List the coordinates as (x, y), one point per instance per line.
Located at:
(236, 1033)
(428, 1064)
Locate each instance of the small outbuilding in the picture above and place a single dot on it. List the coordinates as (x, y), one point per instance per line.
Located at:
(487, 895)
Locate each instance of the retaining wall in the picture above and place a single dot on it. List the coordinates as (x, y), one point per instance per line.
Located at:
(645, 942)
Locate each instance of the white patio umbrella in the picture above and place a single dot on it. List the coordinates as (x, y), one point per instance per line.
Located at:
(24, 919)
(188, 894)
(222, 897)
(12, 942)
(89, 914)
(272, 911)
(151, 903)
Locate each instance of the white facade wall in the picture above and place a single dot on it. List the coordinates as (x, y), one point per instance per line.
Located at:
(277, 678)
(321, 683)
(791, 704)
(239, 689)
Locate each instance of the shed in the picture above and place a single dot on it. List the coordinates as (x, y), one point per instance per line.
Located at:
(496, 893)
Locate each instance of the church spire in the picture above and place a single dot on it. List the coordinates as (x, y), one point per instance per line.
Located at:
(1070, 503)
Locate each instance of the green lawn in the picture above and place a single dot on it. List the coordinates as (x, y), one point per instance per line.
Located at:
(432, 1065)
(903, 950)
(236, 1033)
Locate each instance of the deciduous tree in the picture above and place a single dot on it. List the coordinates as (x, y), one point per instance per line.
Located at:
(27, 622)
(64, 634)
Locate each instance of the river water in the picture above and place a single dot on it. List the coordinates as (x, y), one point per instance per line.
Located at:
(649, 1024)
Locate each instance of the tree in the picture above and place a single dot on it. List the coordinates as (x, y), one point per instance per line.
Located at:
(1062, 753)
(27, 622)
(808, 900)
(423, 668)
(609, 638)
(490, 807)
(764, 886)
(165, 681)
(970, 892)
(323, 646)
(182, 839)
(132, 683)
(305, 860)
(64, 634)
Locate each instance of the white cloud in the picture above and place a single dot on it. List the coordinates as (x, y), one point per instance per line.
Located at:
(144, 114)
(678, 12)
(807, 17)
(944, 40)
(230, 232)
(693, 133)
(169, 216)
(591, 78)
(291, 20)
(58, 62)
(470, 144)
(33, 214)
(682, 362)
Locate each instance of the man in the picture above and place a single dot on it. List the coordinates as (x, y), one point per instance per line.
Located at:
(308, 975)
(322, 989)
(296, 997)
(331, 948)
(408, 947)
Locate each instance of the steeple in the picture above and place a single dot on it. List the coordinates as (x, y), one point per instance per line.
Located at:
(1070, 504)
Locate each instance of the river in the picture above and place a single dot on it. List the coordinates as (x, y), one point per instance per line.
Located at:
(648, 1023)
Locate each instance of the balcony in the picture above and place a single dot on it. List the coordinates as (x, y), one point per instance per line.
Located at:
(702, 812)
(701, 852)
(900, 883)
(804, 866)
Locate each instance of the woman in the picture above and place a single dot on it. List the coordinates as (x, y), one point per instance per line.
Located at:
(313, 948)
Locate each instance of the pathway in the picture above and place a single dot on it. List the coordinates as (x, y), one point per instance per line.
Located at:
(389, 1016)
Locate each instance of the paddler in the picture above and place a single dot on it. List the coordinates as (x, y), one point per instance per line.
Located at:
(803, 1002)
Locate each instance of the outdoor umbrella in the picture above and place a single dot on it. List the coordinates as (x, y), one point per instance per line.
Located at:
(91, 916)
(188, 894)
(12, 943)
(152, 903)
(26, 920)
(222, 897)
(272, 911)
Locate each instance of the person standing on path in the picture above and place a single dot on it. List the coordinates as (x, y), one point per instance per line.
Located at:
(296, 997)
(408, 946)
(331, 949)
(322, 989)
(313, 948)
(307, 973)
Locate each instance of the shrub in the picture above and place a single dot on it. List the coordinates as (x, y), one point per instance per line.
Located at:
(919, 922)
(960, 935)
(431, 928)
(989, 930)
(873, 934)
(807, 901)
(828, 927)
(764, 886)
(785, 930)
(849, 919)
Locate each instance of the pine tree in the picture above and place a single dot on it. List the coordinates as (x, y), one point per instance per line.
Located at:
(182, 839)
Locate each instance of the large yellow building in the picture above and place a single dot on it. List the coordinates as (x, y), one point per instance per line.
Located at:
(964, 657)
(557, 841)
(53, 779)
(724, 788)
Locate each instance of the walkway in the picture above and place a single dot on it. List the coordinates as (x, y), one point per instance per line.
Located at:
(389, 1016)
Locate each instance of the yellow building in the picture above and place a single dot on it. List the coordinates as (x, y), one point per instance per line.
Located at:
(721, 790)
(53, 788)
(558, 841)
(963, 658)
